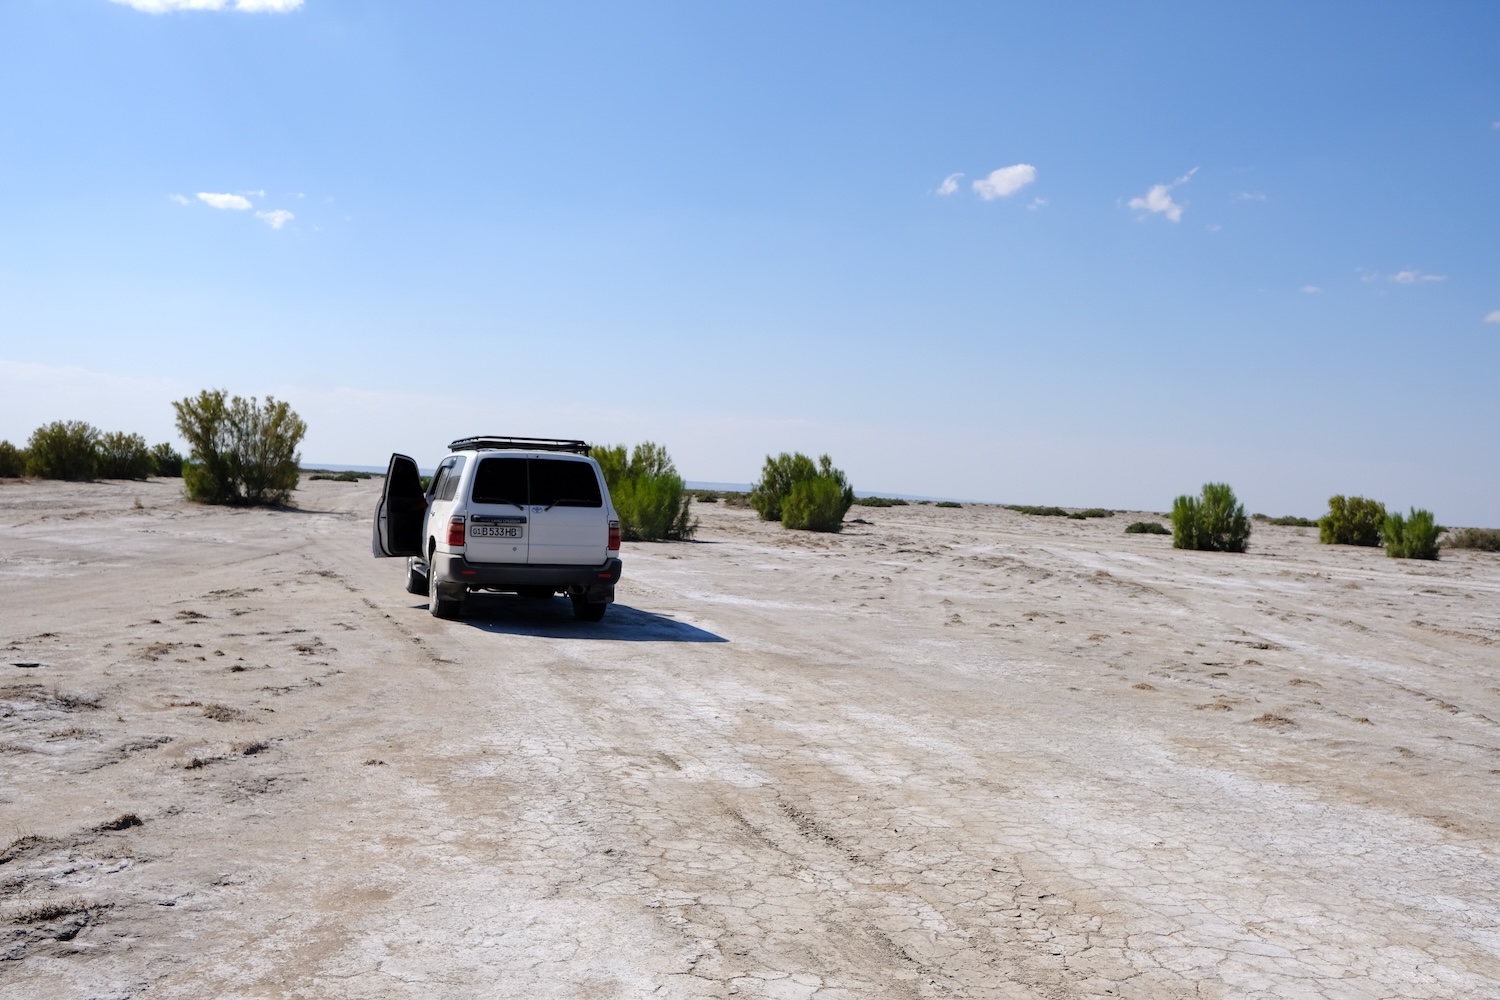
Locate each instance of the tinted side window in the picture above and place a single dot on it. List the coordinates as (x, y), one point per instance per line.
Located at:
(450, 485)
(438, 479)
(560, 483)
(500, 480)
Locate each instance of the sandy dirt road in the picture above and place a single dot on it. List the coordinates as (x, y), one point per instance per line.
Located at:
(950, 753)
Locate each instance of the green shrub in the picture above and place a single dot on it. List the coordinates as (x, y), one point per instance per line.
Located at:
(123, 456)
(1413, 537)
(1083, 515)
(1483, 539)
(63, 450)
(240, 452)
(1147, 528)
(1037, 511)
(947, 503)
(12, 461)
(777, 478)
(817, 504)
(1213, 522)
(647, 493)
(879, 502)
(166, 462)
(707, 497)
(1291, 521)
(1351, 521)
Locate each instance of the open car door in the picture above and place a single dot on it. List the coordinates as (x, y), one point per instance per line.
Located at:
(398, 519)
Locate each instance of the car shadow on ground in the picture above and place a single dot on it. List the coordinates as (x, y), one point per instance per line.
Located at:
(506, 614)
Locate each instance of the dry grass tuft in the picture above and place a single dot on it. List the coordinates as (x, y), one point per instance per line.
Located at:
(251, 749)
(1143, 686)
(48, 912)
(1272, 719)
(222, 713)
(124, 821)
(24, 843)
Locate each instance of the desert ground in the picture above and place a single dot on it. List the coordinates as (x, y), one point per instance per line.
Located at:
(947, 753)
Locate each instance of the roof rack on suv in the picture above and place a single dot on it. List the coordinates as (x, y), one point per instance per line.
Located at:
(520, 443)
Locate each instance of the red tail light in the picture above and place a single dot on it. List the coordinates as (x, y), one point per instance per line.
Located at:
(614, 536)
(455, 531)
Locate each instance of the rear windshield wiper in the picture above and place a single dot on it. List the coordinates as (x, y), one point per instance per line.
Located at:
(568, 501)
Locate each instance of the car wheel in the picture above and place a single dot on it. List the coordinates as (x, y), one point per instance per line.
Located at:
(416, 580)
(586, 612)
(441, 607)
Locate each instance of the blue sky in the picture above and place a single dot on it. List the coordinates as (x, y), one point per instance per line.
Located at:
(1179, 245)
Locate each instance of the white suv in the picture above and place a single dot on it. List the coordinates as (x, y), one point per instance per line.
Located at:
(530, 516)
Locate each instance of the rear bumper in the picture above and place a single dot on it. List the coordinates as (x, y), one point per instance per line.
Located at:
(596, 583)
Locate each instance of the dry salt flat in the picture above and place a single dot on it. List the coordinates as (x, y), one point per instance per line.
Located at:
(947, 753)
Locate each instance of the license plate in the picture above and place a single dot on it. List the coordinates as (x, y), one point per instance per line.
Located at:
(495, 531)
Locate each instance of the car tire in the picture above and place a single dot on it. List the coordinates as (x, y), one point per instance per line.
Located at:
(587, 612)
(416, 580)
(441, 607)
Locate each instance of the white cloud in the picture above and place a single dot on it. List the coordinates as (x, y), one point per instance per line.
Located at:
(1005, 182)
(1250, 196)
(1159, 199)
(1037, 204)
(1493, 317)
(1412, 277)
(252, 194)
(248, 6)
(949, 185)
(1214, 227)
(180, 199)
(277, 218)
(1310, 289)
(233, 201)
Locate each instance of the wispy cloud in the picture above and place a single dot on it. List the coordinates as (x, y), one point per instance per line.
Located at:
(1159, 199)
(1310, 289)
(180, 199)
(1412, 277)
(232, 201)
(1005, 182)
(949, 185)
(252, 194)
(276, 218)
(1037, 204)
(1493, 317)
(247, 6)
(1250, 196)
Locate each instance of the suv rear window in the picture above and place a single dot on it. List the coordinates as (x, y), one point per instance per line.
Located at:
(547, 482)
(558, 483)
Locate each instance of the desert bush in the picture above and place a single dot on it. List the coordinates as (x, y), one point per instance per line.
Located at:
(1083, 515)
(817, 504)
(166, 462)
(647, 493)
(947, 503)
(1291, 521)
(777, 478)
(63, 450)
(1147, 528)
(1351, 521)
(12, 461)
(879, 502)
(708, 496)
(123, 456)
(1413, 537)
(1037, 511)
(1483, 539)
(1212, 522)
(240, 452)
